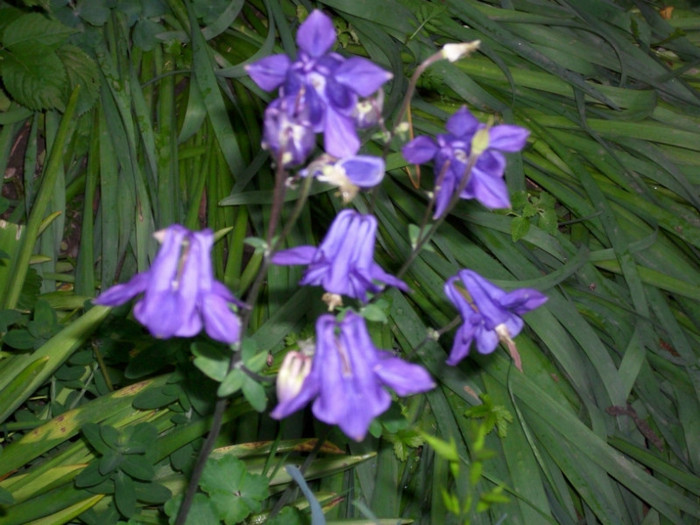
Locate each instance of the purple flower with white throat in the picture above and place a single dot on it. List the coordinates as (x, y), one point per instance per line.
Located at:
(491, 315)
(180, 295)
(451, 151)
(328, 83)
(344, 262)
(348, 377)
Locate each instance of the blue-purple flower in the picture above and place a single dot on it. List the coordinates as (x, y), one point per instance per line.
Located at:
(491, 315)
(180, 294)
(329, 84)
(344, 262)
(450, 153)
(348, 377)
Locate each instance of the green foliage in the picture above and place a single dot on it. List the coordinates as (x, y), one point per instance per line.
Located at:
(230, 493)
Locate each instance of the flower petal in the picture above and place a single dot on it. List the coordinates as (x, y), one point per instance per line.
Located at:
(402, 377)
(364, 171)
(523, 300)
(339, 135)
(296, 255)
(220, 323)
(270, 72)
(462, 123)
(361, 75)
(420, 150)
(507, 137)
(316, 35)
(121, 293)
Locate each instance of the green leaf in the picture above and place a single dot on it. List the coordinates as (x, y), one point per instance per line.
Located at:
(34, 76)
(446, 450)
(234, 492)
(548, 221)
(373, 312)
(33, 29)
(519, 227)
(6, 497)
(124, 494)
(254, 393)
(91, 432)
(211, 360)
(20, 339)
(153, 398)
(90, 476)
(231, 383)
(95, 12)
(137, 467)
(82, 71)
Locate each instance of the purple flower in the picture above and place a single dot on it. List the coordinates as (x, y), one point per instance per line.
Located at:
(180, 294)
(451, 152)
(348, 174)
(490, 314)
(328, 83)
(348, 377)
(287, 131)
(344, 262)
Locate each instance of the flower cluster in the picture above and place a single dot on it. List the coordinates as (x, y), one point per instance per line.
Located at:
(320, 91)
(345, 377)
(180, 294)
(451, 152)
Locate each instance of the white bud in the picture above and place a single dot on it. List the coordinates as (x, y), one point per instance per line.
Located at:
(454, 52)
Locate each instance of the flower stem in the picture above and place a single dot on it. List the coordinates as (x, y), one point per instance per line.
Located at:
(251, 298)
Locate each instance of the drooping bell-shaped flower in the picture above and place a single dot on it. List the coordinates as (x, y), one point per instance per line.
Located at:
(331, 84)
(180, 295)
(349, 375)
(491, 315)
(344, 261)
(451, 151)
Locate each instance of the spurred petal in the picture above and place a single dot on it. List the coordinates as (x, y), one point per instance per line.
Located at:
(363, 76)
(297, 255)
(402, 377)
(507, 137)
(316, 35)
(462, 123)
(121, 293)
(420, 150)
(523, 300)
(270, 72)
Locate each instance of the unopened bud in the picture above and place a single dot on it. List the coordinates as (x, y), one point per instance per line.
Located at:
(454, 52)
(295, 367)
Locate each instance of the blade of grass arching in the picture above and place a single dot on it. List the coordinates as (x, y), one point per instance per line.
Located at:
(523, 469)
(195, 175)
(505, 38)
(203, 69)
(39, 208)
(586, 443)
(85, 268)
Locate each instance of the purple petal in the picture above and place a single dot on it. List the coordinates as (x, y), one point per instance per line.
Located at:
(364, 171)
(308, 391)
(121, 293)
(402, 377)
(378, 274)
(340, 137)
(462, 342)
(363, 76)
(297, 255)
(507, 137)
(420, 150)
(488, 187)
(462, 123)
(270, 72)
(485, 296)
(316, 35)
(523, 300)
(220, 323)
(486, 340)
